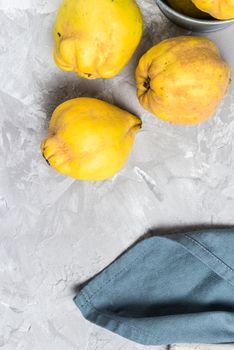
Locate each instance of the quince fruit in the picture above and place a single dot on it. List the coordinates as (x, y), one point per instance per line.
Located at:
(220, 9)
(182, 80)
(94, 38)
(89, 139)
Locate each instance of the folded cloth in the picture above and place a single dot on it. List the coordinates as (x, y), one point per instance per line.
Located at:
(177, 288)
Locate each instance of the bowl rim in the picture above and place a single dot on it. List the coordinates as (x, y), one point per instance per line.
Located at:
(191, 19)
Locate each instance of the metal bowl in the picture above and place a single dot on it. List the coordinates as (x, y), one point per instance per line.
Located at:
(194, 24)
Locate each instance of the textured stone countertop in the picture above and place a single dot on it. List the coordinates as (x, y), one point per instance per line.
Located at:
(57, 232)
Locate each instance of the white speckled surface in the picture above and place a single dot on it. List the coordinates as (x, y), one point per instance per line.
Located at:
(56, 232)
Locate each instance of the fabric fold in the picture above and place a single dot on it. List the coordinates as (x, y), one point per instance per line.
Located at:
(177, 288)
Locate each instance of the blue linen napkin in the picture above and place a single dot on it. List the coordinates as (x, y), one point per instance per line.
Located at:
(177, 288)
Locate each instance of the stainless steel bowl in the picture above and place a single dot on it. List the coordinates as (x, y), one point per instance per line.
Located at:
(194, 24)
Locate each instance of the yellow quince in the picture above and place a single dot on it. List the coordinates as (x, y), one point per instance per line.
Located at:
(182, 80)
(220, 9)
(89, 139)
(96, 38)
(187, 7)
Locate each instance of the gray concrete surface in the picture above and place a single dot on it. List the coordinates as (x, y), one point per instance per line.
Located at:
(57, 232)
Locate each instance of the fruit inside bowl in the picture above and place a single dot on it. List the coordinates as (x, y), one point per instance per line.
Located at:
(199, 15)
(187, 8)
